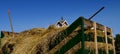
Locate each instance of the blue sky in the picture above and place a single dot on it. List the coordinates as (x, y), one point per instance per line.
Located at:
(27, 14)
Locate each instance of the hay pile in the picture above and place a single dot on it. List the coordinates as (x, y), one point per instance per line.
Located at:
(33, 41)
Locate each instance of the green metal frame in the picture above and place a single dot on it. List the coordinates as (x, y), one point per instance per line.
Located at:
(79, 37)
(66, 32)
(82, 50)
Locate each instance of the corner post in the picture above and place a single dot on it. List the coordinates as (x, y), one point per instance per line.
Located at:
(106, 39)
(95, 39)
(82, 35)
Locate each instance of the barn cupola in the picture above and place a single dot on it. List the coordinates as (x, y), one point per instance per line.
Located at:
(61, 23)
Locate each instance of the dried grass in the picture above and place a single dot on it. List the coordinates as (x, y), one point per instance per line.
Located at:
(38, 41)
(30, 42)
